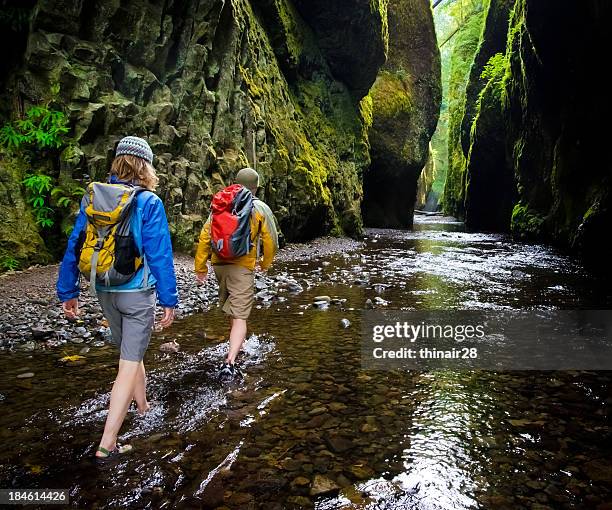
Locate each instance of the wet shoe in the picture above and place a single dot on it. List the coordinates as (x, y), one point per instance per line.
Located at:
(229, 372)
(110, 454)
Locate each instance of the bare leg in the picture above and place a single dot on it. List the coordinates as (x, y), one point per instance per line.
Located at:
(237, 336)
(121, 397)
(140, 390)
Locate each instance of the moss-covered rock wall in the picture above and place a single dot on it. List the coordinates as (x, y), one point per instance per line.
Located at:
(213, 85)
(426, 182)
(490, 191)
(406, 103)
(527, 156)
(465, 47)
(555, 106)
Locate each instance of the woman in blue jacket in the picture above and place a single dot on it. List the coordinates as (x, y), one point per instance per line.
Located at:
(129, 307)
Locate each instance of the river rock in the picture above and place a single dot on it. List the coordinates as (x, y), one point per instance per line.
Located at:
(345, 323)
(26, 375)
(322, 298)
(300, 481)
(339, 444)
(361, 471)
(170, 347)
(599, 470)
(41, 333)
(322, 485)
(27, 346)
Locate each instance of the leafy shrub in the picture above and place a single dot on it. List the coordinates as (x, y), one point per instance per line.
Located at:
(38, 187)
(40, 128)
(8, 263)
(495, 68)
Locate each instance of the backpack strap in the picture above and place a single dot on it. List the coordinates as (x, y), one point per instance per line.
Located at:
(145, 266)
(94, 262)
(259, 228)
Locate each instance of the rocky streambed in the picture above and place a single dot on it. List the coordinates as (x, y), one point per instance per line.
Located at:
(32, 318)
(309, 427)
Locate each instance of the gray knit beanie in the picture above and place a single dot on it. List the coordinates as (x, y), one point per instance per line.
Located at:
(134, 146)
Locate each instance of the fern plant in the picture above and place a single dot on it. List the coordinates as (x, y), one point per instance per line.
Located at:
(67, 196)
(8, 263)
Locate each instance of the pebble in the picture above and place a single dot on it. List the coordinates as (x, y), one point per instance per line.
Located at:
(345, 323)
(170, 347)
(322, 485)
(40, 333)
(322, 298)
(26, 375)
(28, 346)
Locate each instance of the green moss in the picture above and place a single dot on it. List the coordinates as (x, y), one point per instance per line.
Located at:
(366, 111)
(462, 58)
(379, 7)
(525, 223)
(390, 95)
(19, 237)
(316, 132)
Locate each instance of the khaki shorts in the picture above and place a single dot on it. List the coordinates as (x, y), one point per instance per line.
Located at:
(236, 289)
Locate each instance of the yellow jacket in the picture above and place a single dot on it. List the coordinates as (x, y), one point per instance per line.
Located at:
(262, 225)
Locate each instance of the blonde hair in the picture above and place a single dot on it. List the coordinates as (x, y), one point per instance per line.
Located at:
(134, 169)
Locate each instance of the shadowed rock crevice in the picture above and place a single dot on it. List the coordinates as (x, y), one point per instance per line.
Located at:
(525, 149)
(405, 103)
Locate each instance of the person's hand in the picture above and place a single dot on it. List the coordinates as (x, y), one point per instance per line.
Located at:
(167, 318)
(71, 308)
(201, 278)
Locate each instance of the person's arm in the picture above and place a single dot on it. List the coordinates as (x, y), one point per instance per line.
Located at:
(203, 251)
(269, 236)
(68, 278)
(157, 248)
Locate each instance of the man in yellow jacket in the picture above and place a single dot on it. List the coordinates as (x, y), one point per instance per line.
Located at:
(236, 276)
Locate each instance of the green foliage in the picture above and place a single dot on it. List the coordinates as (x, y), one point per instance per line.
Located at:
(37, 187)
(8, 263)
(41, 128)
(495, 68)
(67, 196)
(525, 223)
(28, 138)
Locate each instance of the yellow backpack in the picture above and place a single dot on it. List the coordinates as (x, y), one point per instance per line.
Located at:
(109, 255)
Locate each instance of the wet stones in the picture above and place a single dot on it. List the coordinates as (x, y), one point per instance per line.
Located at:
(361, 471)
(25, 375)
(345, 323)
(338, 443)
(323, 485)
(170, 347)
(42, 333)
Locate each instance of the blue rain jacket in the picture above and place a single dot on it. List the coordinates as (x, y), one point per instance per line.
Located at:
(152, 236)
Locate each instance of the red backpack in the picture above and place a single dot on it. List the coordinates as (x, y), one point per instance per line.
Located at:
(230, 226)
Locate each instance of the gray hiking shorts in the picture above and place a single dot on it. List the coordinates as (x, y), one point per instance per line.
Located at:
(131, 317)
